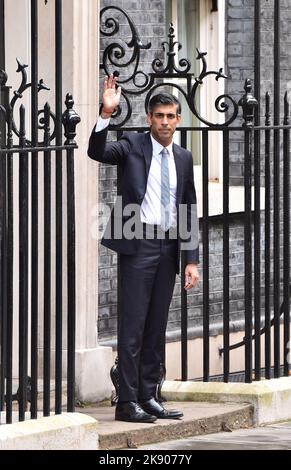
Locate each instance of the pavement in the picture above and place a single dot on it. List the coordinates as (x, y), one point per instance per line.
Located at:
(270, 437)
(199, 418)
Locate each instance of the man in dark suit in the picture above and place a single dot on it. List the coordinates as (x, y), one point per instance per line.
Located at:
(152, 222)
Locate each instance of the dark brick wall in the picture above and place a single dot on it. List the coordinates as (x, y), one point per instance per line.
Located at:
(240, 59)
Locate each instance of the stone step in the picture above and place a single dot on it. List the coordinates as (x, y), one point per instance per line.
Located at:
(199, 418)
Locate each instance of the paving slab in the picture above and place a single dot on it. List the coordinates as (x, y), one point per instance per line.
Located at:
(272, 437)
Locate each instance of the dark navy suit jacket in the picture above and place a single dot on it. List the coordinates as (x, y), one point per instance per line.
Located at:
(134, 153)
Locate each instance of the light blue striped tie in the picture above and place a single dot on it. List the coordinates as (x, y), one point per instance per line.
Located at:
(165, 190)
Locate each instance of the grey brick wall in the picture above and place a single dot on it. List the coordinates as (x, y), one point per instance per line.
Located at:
(240, 60)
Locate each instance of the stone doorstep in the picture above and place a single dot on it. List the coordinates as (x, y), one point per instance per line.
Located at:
(199, 418)
(271, 399)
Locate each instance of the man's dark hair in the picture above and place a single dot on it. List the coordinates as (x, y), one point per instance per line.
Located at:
(163, 98)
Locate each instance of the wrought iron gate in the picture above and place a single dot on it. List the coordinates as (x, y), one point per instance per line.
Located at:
(23, 175)
(266, 155)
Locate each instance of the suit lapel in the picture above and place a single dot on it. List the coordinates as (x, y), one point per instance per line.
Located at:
(178, 157)
(147, 152)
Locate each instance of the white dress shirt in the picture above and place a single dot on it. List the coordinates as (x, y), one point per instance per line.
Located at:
(151, 204)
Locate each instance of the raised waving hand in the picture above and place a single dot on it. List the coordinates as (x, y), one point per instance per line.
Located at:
(111, 96)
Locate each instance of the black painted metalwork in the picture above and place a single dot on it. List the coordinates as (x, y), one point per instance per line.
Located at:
(226, 283)
(2, 36)
(70, 121)
(59, 205)
(267, 138)
(214, 6)
(184, 309)
(205, 241)
(23, 267)
(112, 63)
(286, 235)
(16, 146)
(47, 259)
(248, 104)
(34, 208)
(262, 154)
(276, 184)
(257, 195)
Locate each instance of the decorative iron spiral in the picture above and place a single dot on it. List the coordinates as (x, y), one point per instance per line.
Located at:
(19, 94)
(115, 52)
(220, 105)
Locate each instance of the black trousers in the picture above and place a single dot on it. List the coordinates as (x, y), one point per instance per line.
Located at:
(147, 284)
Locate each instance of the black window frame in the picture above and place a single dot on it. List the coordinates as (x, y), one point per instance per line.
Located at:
(2, 36)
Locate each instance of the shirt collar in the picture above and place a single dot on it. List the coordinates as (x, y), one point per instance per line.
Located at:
(157, 147)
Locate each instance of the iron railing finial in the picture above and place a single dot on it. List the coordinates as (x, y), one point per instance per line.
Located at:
(248, 103)
(70, 120)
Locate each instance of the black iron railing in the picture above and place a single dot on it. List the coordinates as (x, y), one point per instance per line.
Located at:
(265, 146)
(21, 173)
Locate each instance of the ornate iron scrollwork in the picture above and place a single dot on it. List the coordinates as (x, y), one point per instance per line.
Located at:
(115, 52)
(18, 94)
(171, 66)
(220, 105)
(113, 62)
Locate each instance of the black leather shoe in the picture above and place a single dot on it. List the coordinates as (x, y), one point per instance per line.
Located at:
(152, 407)
(133, 413)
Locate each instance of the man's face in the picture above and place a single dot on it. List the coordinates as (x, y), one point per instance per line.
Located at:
(163, 122)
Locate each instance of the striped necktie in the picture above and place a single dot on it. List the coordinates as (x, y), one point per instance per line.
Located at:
(165, 190)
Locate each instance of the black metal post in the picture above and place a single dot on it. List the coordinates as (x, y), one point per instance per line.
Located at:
(71, 279)
(70, 120)
(226, 255)
(286, 235)
(184, 310)
(59, 205)
(34, 208)
(257, 189)
(276, 189)
(248, 103)
(205, 240)
(248, 256)
(2, 35)
(23, 268)
(4, 102)
(47, 255)
(267, 240)
(10, 227)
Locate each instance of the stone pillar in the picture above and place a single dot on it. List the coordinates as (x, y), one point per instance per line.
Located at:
(81, 71)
